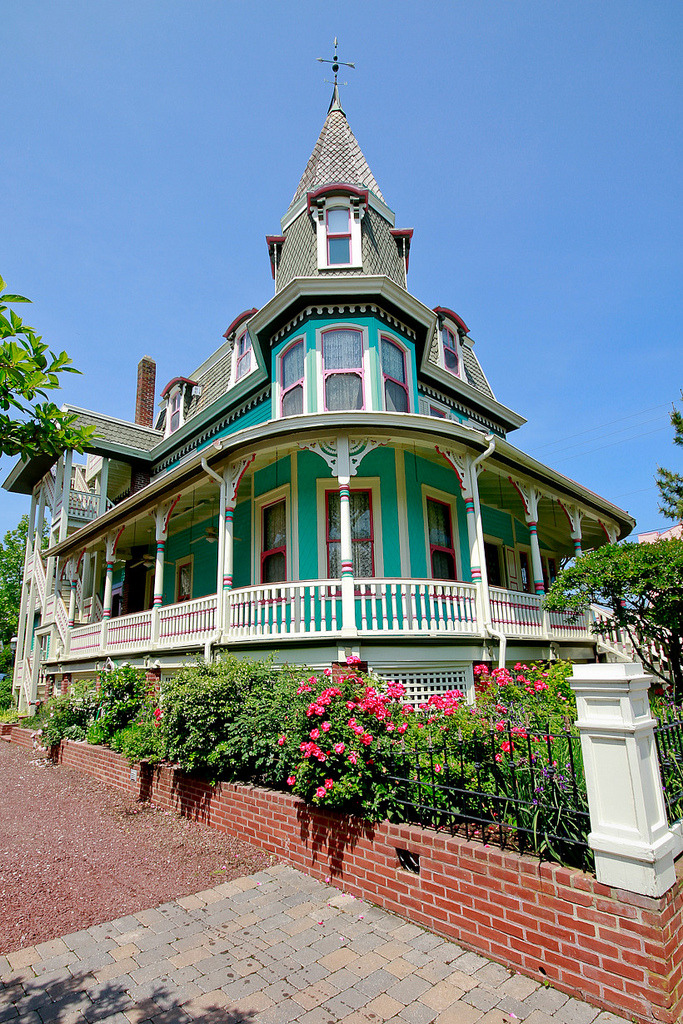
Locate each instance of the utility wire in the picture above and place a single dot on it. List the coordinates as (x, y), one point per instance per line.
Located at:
(623, 440)
(591, 430)
(611, 433)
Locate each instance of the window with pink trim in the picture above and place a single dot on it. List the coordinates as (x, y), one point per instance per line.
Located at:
(343, 369)
(435, 411)
(362, 535)
(394, 377)
(338, 223)
(441, 549)
(274, 542)
(451, 359)
(292, 380)
(243, 355)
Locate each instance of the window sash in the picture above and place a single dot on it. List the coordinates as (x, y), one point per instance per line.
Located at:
(450, 352)
(274, 542)
(395, 388)
(362, 534)
(343, 376)
(243, 355)
(291, 387)
(441, 547)
(338, 240)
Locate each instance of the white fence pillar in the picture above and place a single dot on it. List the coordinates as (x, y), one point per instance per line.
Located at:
(630, 835)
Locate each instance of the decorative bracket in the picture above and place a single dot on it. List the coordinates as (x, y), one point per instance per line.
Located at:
(610, 531)
(327, 450)
(530, 497)
(359, 448)
(233, 478)
(460, 465)
(574, 516)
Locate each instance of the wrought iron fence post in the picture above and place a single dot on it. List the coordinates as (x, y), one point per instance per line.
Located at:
(630, 835)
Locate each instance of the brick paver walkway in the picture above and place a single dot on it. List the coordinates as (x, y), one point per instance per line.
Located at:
(271, 948)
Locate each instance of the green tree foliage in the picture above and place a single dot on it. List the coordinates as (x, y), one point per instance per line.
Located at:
(642, 584)
(671, 484)
(30, 424)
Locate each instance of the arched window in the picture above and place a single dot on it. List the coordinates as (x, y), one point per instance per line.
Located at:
(343, 369)
(292, 380)
(243, 350)
(394, 377)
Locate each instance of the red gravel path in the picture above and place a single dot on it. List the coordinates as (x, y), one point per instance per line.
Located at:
(74, 852)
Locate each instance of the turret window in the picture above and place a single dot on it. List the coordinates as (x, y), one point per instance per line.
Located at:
(338, 236)
(343, 370)
(292, 380)
(394, 377)
(243, 349)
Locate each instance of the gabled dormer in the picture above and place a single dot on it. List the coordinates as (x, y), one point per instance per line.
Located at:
(338, 223)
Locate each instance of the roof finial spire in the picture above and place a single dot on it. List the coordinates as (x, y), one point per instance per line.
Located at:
(335, 103)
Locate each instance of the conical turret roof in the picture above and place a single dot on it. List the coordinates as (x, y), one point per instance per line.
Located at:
(336, 157)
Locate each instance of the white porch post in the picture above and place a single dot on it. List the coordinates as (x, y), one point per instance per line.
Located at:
(111, 541)
(232, 477)
(93, 592)
(160, 535)
(629, 831)
(574, 516)
(104, 482)
(32, 549)
(530, 497)
(66, 493)
(345, 543)
(72, 573)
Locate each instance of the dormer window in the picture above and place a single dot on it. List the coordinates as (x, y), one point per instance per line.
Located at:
(174, 410)
(337, 212)
(243, 355)
(451, 355)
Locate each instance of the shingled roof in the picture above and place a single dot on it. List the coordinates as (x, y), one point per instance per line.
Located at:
(336, 157)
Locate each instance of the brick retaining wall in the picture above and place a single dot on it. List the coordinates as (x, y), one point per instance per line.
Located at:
(620, 950)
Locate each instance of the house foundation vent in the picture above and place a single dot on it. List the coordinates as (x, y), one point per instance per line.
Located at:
(420, 684)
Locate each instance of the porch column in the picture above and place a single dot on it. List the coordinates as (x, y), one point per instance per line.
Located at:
(574, 516)
(530, 497)
(345, 544)
(232, 478)
(104, 482)
(111, 541)
(467, 475)
(32, 546)
(66, 492)
(95, 566)
(162, 518)
(72, 572)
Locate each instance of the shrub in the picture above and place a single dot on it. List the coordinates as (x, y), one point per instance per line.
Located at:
(121, 697)
(69, 712)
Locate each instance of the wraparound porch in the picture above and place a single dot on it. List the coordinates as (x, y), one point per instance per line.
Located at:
(289, 612)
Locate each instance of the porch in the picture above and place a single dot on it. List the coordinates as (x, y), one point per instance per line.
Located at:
(293, 611)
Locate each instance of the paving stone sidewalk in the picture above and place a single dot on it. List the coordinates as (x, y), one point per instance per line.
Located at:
(271, 948)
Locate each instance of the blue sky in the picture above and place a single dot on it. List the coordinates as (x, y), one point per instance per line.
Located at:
(535, 148)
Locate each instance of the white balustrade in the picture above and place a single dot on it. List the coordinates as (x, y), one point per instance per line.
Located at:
(84, 505)
(568, 625)
(187, 622)
(516, 613)
(285, 609)
(127, 632)
(85, 639)
(415, 606)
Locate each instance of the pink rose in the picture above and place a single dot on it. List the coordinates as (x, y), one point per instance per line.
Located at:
(315, 734)
(339, 748)
(320, 792)
(281, 741)
(326, 726)
(291, 780)
(329, 783)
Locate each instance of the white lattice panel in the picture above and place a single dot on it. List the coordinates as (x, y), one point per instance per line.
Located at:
(421, 684)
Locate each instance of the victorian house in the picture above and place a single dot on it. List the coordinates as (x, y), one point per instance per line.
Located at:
(335, 478)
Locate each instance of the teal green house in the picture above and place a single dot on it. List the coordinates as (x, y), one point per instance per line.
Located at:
(336, 478)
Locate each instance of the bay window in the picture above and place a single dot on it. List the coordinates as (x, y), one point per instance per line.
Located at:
(292, 380)
(394, 377)
(343, 369)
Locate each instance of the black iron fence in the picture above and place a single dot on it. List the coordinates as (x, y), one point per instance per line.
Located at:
(669, 740)
(516, 787)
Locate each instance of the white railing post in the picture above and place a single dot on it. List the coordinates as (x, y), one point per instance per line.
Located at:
(630, 836)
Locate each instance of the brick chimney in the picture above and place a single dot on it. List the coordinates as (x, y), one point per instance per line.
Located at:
(146, 392)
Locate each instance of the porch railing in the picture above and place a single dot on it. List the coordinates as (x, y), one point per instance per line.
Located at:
(189, 622)
(285, 609)
(516, 613)
(415, 606)
(129, 632)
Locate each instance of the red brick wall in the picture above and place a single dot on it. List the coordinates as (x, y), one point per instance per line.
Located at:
(622, 951)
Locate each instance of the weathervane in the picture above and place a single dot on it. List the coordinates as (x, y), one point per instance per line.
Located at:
(335, 63)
